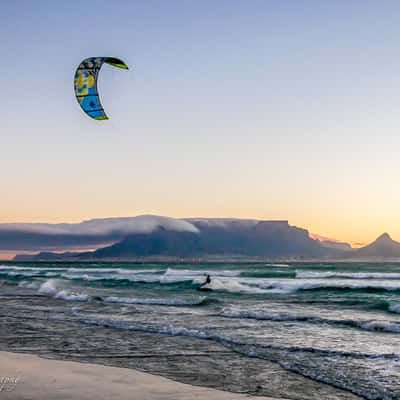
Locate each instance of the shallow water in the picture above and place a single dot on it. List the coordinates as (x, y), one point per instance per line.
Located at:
(337, 324)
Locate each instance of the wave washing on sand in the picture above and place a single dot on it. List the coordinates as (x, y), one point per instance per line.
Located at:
(372, 325)
(315, 363)
(203, 334)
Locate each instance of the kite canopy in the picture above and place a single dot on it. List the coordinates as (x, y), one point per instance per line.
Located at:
(86, 84)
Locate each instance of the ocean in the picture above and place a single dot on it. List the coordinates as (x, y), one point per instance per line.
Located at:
(297, 330)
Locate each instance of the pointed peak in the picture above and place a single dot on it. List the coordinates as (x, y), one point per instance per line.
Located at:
(384, 237)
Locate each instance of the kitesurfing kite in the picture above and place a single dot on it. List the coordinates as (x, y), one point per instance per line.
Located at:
(86, 84)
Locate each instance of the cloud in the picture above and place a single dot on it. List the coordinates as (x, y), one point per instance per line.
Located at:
(92, 233)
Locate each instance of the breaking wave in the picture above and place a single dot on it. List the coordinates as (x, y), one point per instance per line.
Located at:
(373, 325)
(158, 302)
(50, 288)
(190, 273)
(293, 285)
(346, 275)
(394, 307)
(200, 334)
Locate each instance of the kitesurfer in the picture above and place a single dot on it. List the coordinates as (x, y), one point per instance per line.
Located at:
(207, 282)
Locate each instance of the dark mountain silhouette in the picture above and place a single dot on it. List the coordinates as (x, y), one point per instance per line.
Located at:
(151, 235)
(219, 238)
(336, 245)
(384, 246)
(154, 236)
(160, 242)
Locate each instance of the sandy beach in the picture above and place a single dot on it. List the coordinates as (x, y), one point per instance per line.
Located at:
(31, 377)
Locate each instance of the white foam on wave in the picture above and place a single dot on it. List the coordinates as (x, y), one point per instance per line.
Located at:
(231, 285)
(394, 307)
(346, 275)
(94, 269)
(115, 270)
(277, 265)
(48, 270)
(260, 315)
(50, 273)
(48, 287)
(160, 302)
(163, 329)
(147, 278)
(23, 273)
(381, 326)
(258, 285)
(84, 277)
(71, 296)
(374, 325)
(196, 272)
(28, 285)
(23, 268)
(293, 285)
(175, 331)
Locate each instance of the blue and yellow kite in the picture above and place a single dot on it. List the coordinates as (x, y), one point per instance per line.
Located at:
(86, 84)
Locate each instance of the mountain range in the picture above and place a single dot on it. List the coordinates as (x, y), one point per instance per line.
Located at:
(155, 237)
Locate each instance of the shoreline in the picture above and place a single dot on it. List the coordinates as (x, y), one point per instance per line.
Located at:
(29, 376)
(191, 261)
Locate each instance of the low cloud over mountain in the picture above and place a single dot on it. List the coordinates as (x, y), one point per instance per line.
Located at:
(87, 234)
(149, 235)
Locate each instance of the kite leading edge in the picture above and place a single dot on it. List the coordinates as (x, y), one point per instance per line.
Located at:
(85, 83)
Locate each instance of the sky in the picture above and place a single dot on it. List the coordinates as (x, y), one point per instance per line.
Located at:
(255, 109)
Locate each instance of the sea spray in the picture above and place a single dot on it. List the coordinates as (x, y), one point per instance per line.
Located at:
(48, 287)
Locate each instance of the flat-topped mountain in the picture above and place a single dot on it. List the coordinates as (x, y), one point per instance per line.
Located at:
(219, 238)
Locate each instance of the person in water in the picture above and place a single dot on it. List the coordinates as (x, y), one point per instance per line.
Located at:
(207, 282)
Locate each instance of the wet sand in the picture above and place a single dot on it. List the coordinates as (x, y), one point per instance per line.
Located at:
(26, 376)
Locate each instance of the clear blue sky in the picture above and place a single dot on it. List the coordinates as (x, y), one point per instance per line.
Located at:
(265, 109)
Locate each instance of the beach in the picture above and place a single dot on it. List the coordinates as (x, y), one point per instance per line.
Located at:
(35, 378)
